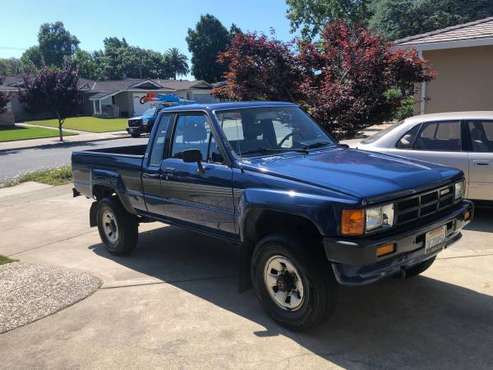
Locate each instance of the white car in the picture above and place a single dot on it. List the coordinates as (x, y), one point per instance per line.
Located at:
(458, 139)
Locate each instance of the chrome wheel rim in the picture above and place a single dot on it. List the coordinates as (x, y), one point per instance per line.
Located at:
(284, 284)
(110, 227)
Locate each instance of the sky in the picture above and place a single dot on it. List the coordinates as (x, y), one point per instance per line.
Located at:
(151, 24)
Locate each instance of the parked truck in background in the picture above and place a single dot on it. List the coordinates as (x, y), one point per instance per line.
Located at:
(308, 214)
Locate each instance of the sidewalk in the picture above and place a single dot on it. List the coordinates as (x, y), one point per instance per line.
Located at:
(82, 137)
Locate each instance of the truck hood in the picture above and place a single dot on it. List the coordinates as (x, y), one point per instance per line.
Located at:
(355, 172)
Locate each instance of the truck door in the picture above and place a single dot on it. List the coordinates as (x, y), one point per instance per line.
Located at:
(151, 167)
(202, 196)
(480, 160)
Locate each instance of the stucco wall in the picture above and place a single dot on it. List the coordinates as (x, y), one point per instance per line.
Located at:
(464, 79)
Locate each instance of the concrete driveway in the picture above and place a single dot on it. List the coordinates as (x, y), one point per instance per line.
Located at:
(174, 304)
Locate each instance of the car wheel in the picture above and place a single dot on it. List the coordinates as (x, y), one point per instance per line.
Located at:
(419, 268)
(293, 282)
(117, 228)
(135, 135)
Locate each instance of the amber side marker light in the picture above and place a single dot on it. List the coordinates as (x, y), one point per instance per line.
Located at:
(385, 249)
(467, 215)
(353, 222)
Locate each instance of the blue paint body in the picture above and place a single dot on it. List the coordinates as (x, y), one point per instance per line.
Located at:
(227, 199)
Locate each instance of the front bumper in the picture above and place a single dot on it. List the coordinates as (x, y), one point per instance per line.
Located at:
(355, 261)
(135, 130)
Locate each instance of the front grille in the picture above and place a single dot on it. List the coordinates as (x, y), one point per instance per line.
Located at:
(134, 122)
(424, 204)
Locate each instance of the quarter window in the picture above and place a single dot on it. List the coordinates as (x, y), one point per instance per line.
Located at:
(440, 136)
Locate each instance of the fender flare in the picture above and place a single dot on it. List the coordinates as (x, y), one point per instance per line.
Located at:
(112, 180)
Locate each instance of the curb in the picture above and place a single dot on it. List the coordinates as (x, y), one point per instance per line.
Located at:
(65, 143)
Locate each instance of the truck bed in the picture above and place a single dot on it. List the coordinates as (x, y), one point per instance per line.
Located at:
(119, 164)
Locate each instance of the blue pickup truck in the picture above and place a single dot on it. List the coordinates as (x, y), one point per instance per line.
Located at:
(308, 213)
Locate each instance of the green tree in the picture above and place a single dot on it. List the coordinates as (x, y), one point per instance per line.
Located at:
(205, 42)
(177, 62)
(56, 44)
(10, 66)
(87, 65)
(32, 59)
(400, 18)
(120, 60)
(54, 90)
(310, 16)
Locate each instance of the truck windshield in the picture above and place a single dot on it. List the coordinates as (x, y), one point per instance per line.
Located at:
(255, 131)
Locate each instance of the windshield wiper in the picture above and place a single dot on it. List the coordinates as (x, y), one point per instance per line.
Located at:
(274, 150)
(318, 144)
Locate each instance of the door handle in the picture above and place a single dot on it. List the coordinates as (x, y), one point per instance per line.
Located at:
(151, 175)
(481, 163)
(169, 171)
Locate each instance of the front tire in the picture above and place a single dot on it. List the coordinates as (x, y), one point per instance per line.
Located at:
(293, 281)
(135, 135)
(117, 228)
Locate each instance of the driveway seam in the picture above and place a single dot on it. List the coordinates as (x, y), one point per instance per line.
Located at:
(166, 282)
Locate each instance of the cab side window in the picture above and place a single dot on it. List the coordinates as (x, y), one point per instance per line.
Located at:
(192, 131)
(440, 136)
(157, 151)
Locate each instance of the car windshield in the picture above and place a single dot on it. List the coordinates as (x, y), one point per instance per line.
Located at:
(256, 131)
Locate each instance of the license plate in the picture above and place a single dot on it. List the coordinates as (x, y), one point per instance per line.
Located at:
(434, 239)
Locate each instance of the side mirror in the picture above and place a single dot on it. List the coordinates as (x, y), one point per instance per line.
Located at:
(192, 155)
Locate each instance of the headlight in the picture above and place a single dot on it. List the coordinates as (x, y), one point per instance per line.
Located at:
(377, 217)
(354, 222)
(459, 190)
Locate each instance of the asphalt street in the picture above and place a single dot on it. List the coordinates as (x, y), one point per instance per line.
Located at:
(18, 161)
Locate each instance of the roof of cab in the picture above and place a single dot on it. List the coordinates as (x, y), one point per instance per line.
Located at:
(230, 105)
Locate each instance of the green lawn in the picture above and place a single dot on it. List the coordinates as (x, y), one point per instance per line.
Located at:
(52, 176)
(26, 133)
(4, 260)
(90, 124)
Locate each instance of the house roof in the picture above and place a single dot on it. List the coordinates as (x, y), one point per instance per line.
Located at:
(100, 89)
(475, 33)
(112, 87)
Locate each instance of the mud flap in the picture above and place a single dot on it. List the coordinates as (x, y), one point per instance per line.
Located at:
(244, 277)
(93, 214)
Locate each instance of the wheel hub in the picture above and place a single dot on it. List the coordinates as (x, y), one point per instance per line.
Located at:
(283, 283)
(110, 226)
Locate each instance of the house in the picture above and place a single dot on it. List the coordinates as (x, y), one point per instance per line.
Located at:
(115, 98)
(123, 98)
(462, 57)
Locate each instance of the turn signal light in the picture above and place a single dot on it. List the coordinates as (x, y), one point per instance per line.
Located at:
(385, 249)
(353, 222)
(467, 215)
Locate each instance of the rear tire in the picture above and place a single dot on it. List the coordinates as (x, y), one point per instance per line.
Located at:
(117, 228)
(284, 266)
(419, 268)
(134, 135)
